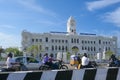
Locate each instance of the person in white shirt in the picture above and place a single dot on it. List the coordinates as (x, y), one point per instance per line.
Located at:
(85, 61)
(10, 62)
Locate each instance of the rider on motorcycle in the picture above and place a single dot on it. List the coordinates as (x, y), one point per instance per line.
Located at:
(53, 65)
(49, 64)
(85, 61)
(49, 60)
(113, 61)
(10, 62)
(46, 59)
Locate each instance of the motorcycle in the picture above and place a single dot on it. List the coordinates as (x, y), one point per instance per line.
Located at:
(114, 63)
(92, 64)
(58, 65)
(16, 67)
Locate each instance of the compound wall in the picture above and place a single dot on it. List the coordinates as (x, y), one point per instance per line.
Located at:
(82, 74)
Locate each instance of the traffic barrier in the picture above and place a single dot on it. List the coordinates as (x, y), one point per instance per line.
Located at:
(82, 74)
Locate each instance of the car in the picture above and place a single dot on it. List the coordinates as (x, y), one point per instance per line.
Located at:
(29, 62)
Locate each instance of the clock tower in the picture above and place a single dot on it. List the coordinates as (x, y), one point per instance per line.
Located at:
(71, 26)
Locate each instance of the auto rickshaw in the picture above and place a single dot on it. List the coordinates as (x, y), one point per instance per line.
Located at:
(73, 60)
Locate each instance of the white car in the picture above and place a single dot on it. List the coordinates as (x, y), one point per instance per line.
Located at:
(31, 63)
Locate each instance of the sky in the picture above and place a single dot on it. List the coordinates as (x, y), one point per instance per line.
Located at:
(101, 17)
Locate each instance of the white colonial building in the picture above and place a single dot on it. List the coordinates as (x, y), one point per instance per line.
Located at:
(55, 42)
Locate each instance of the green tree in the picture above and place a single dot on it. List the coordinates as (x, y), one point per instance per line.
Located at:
(75, 49)
(34, 50)
(108, 54)
(1, 51)
(68, 55)
(15, 50)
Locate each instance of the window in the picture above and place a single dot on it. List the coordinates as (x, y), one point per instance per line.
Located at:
(82, 48)
(46, 39)
(91, 42)
(52, 48)
(66, 48)
(59, 48)
(66, 41)
(31, 60)
(62, 41)
(72, 40)
(88, 42)
(52, 41)
(77, 40)
(85, 48)
(59, 41)
(56, 41)
(55, 47)
(32, 40)
(62, 48)
(91, 48)
(106, 49)
(94, 49)
(20, 59)
(106, 42)
(82, 42)
(99, 41)
(99, 49)
(46, 48)
(36, 40)
(40, 40)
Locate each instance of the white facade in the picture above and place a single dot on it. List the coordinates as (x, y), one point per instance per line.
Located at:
(55, 42)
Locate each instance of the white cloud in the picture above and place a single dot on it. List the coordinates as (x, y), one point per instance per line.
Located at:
(8, 40)
(32, 4)
(7, 26)
(113, 17)
(98, 4)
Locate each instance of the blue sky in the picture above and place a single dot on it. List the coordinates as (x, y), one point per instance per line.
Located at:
(101, 17)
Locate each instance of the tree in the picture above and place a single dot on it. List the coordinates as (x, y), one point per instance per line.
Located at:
(34, 50)
(1, 51)
(75, 49)
(15, 50)
(108, 53)
(68, 55)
